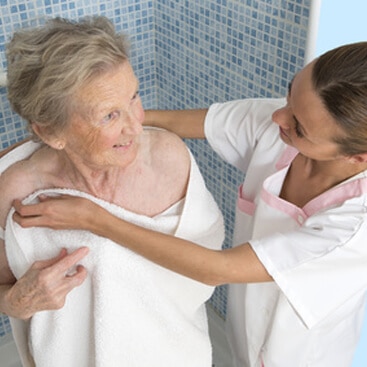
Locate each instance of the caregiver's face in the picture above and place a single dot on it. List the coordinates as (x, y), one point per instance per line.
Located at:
(305, 123)
(104, 130)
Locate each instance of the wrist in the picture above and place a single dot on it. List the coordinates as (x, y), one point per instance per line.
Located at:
(99, 221)
(9, 307)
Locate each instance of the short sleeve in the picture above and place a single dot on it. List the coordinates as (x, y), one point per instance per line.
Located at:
(234, 128)
(322, 265)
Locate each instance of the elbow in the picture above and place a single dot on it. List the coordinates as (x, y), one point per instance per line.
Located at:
(213, 280)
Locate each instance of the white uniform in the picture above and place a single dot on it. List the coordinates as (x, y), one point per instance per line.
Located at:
(311, 315)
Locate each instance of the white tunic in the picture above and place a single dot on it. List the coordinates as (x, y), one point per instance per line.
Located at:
(311, 315)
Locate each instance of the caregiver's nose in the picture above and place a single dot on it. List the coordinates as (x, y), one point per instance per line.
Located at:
(281, 117)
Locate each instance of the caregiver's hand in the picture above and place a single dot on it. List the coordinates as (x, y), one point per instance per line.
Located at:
(46, 284)
(61, 212)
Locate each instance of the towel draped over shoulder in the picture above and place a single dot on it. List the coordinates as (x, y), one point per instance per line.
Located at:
(129, 312)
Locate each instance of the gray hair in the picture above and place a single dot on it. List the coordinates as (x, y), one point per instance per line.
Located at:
(47, 65)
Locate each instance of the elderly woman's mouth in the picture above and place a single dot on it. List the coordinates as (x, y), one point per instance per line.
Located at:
(124, 145)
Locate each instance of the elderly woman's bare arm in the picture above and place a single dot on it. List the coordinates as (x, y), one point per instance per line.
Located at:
(43, 287)
(184, 123)
(237, 265)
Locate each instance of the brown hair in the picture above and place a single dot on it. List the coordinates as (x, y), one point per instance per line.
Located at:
(340, 79)
(47, 65)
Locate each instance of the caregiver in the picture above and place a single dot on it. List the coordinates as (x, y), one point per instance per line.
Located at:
(102, 306)
(300, 258)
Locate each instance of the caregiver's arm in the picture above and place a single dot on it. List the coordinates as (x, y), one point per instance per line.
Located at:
(184, 123)
(237, 265)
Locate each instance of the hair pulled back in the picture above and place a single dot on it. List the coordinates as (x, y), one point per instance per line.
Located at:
(340, 79)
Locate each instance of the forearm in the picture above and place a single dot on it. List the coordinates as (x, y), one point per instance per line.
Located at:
(237, 265)
(184, 123)
(208, 266)
(170, 252)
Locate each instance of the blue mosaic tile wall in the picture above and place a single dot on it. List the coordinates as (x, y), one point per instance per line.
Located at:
(187, 54)
(225, 50)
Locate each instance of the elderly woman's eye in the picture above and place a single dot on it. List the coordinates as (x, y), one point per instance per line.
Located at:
(111, 116)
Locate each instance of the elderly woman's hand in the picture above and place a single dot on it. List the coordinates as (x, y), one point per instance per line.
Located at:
(62, 212)
(46, 284)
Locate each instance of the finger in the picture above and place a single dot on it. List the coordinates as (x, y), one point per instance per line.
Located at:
(42, 197)
(31, 221)
(70, 260)
(42, 264)
(27, 210)
(78, 277)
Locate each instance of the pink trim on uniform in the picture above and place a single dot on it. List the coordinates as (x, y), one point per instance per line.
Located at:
(245, 205)
(284, 206)
(337, 195)
(286, 158)
(332, 197)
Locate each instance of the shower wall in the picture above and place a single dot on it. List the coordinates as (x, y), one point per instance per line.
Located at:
(219, 50)
(186, 54)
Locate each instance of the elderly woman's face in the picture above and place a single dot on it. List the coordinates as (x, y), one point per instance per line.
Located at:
(104, 129)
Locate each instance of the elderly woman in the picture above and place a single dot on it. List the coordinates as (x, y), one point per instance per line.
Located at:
(73, 83)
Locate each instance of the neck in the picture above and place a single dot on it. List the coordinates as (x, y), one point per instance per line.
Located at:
(98, 181)
(335, 171)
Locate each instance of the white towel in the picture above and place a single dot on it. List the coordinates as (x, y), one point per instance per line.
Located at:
(129, 312)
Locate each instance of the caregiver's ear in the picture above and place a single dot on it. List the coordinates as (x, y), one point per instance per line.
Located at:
(52, 140)
(358, 158)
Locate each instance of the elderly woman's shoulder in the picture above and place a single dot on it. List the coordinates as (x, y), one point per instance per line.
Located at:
(167, 150)
(14, 184)
(163, 141)
(17, 176)
(19, 180)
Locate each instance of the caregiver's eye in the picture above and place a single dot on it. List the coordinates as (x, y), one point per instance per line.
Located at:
(297, 130)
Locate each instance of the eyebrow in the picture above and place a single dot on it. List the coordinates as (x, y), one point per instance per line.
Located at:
(300, 126)
(290, 85)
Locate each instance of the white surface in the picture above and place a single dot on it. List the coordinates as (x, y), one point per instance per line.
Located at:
(312, 31)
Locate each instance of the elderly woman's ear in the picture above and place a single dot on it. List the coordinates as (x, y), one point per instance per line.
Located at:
(52, 140)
